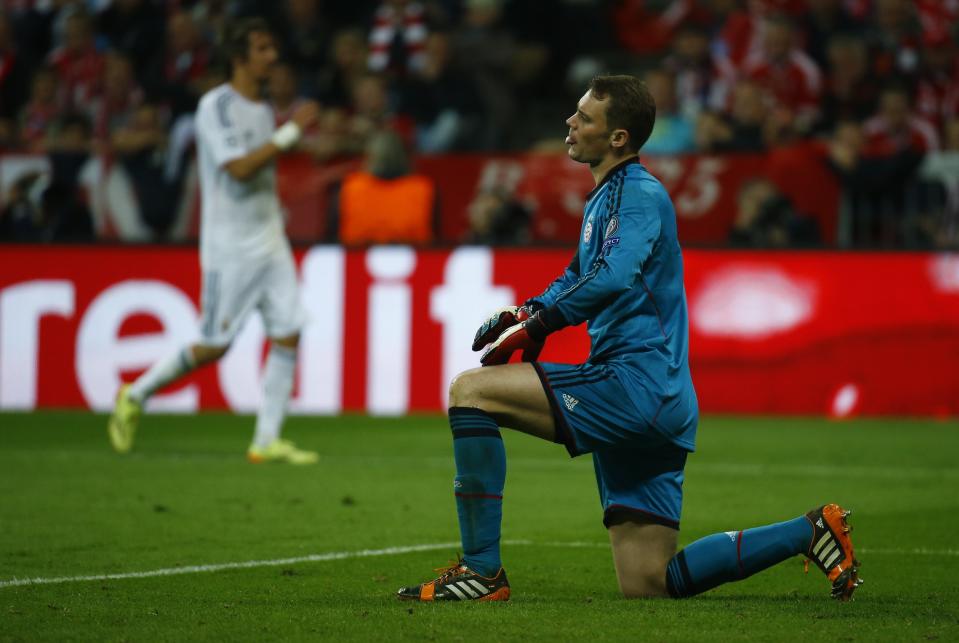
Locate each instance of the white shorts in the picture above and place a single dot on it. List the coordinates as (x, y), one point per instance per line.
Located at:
(231, 291)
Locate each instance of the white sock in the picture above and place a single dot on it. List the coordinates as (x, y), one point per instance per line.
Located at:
(168, 369)
(277, 387)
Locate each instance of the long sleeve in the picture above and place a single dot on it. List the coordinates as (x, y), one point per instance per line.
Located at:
(568, 278)
(630, 235)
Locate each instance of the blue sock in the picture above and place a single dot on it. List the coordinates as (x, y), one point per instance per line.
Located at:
(734, 555)
(480, 477)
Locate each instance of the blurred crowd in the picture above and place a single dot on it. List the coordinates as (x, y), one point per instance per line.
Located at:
(875, 82)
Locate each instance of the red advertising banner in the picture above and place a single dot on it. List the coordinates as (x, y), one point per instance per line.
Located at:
(705, 190)
(794, 333)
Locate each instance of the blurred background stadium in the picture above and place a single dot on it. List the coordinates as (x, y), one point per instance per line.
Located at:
(789, 133)
(811, 148)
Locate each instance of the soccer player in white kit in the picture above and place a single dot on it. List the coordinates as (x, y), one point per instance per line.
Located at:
(244, 253)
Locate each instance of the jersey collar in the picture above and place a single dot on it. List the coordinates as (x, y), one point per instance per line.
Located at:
(613, 170)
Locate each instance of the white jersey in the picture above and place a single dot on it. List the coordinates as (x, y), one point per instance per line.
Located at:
(241, 220)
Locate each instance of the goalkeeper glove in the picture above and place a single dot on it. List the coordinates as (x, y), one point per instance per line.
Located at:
(502, 319)
(496, 323)
(528, 336)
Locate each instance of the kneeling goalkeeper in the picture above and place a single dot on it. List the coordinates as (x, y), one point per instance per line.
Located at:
(632, 404)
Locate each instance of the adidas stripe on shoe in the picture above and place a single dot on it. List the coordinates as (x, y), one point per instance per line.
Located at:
(831, 549)
(459, 583)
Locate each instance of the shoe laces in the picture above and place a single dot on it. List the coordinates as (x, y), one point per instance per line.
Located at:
(452, 568)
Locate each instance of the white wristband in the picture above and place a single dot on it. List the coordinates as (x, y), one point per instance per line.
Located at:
(287, 136)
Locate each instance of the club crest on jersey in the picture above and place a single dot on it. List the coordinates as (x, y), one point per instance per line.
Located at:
(588, 230)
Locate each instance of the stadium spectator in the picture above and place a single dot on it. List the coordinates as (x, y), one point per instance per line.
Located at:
(850, 92)
(65, 211)
(398, 37)
(22, 216)
(497, 218)
(743, 129)
(896, 127)
(457, 71)
(121, 96)
(823, 21)
(34, 28)
(78, 63)
(348, 55)
(875, 179)
(765, 218)
(673, 132)
(645, 28)
(282, 90)
(14, 72)
(488, 54)
(41, 111)
(935, 14)
(371, 112)
(942, 169)
(135, 27)
(440, 101)
(740, 35)
(140, 147)
(938, 90)
(386, 202)
(695, 71)
(894, 38)
(787, 74)
(306, 38)
(180, 71)
(211, 17)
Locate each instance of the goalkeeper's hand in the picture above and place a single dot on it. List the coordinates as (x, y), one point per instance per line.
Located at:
(498, 322)
(528, 336)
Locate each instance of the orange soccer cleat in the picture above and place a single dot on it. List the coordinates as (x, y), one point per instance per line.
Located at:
(459, 583)
(831, 549)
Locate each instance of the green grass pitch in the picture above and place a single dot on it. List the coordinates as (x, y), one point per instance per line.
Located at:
(186, 497)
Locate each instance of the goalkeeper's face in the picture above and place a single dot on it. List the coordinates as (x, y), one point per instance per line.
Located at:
(589, 139)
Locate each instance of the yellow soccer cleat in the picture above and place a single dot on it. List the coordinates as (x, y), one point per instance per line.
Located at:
(122, 426)
(281, 451)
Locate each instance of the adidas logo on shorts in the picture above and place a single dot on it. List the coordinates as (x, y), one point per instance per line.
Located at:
(569, 401)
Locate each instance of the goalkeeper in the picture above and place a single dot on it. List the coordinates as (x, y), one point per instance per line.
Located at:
(631, 405)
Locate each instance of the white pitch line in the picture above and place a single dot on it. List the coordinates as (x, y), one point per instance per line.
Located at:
(199, 569)
(369, 553)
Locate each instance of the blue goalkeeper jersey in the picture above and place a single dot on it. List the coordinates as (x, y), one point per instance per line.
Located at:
(626, 283)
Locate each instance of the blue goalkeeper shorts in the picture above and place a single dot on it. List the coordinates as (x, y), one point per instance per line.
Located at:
(639, 472)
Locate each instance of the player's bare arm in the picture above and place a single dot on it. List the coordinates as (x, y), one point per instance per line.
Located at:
(246, 167)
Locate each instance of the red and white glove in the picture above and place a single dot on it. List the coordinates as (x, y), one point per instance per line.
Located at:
(496, 323)
(528, 336)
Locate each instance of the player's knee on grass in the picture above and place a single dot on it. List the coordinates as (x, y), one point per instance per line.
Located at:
(644, 588)
(642, 579)
(641, 551)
